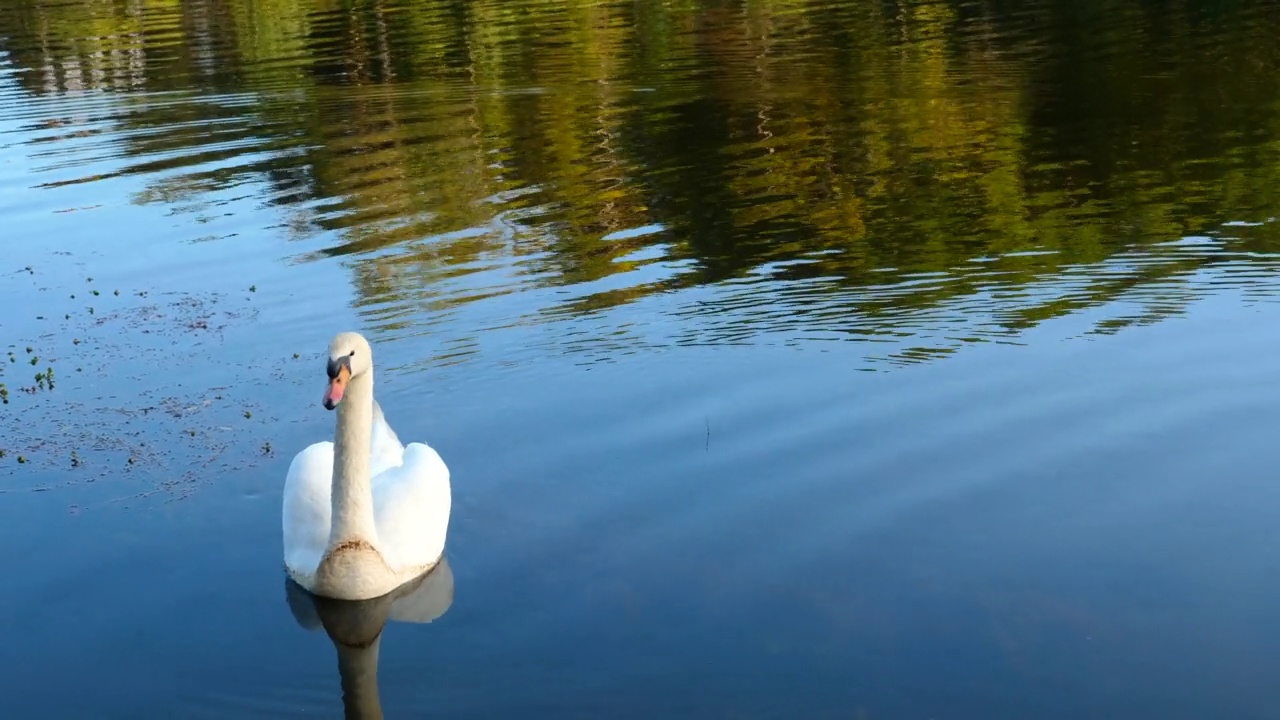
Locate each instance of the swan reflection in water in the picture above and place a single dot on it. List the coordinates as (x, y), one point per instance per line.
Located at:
(355, 627)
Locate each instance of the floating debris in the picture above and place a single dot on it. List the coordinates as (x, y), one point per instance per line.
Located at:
(96, 429)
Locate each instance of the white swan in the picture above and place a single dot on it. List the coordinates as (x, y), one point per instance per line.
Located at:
(364, 514)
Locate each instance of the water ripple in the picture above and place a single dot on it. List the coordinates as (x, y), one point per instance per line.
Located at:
(927, 231)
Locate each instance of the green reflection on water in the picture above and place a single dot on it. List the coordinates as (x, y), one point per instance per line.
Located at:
(860, 167)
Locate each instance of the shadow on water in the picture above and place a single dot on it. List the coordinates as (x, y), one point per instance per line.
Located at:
(356, 629)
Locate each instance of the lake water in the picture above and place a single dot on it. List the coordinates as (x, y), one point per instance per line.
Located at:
(792, 359)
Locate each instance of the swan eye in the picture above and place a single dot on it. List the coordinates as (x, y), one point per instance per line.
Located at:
(352, 354)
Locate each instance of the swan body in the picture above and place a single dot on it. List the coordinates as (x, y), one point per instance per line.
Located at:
(362, 514)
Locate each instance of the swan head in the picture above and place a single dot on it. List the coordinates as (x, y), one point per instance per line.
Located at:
(349, 356)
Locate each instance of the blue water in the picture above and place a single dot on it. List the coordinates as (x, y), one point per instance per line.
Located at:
(885, 389)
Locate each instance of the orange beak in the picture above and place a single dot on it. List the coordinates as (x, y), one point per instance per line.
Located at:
(337, 386)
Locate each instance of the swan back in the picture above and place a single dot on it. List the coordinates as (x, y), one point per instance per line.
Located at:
(385, 450)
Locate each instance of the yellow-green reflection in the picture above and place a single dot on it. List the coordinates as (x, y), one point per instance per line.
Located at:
(859, 167)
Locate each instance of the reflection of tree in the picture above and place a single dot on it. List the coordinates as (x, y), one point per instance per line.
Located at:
(857, 160)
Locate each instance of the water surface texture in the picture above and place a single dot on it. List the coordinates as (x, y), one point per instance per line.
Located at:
(793, 359)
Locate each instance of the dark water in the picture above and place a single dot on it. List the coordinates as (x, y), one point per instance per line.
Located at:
(792, 359)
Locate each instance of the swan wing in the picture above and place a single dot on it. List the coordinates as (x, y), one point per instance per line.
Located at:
(411, 505)
(306, 508)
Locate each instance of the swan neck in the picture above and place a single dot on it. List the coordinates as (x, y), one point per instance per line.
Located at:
(352, 497)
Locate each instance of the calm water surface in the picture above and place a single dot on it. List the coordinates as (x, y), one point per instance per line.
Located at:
(792, 359)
